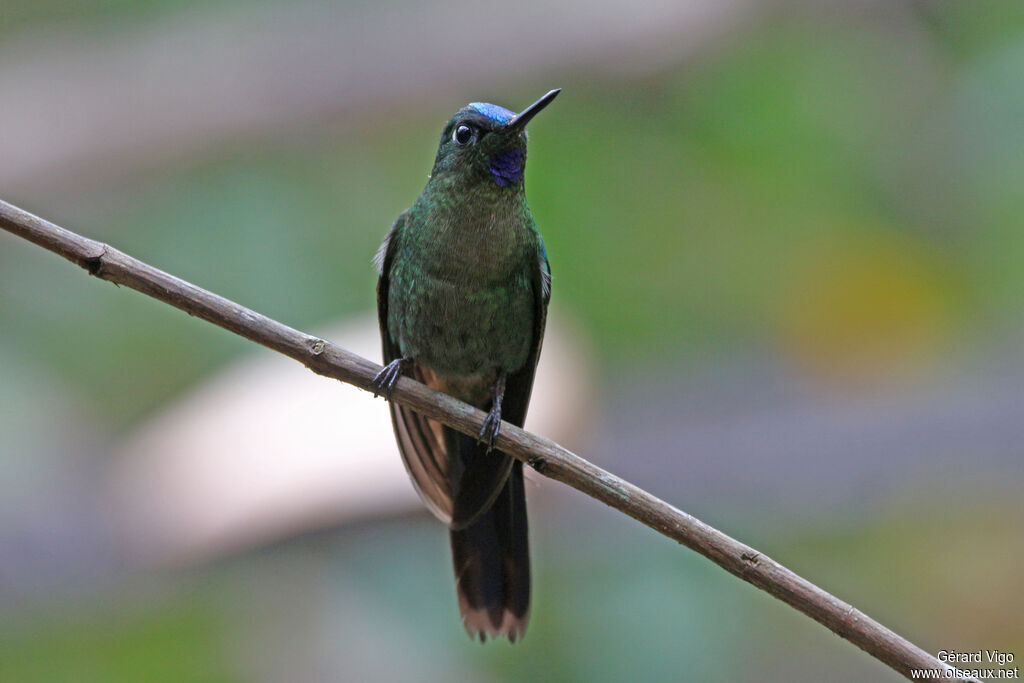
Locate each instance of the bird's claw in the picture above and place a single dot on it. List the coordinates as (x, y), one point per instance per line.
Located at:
(384, 382)
(490, 429)
(492, 423)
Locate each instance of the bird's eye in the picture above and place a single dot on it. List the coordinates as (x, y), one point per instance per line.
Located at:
(463, 135)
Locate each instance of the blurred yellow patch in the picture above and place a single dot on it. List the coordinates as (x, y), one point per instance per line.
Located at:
(861, 312)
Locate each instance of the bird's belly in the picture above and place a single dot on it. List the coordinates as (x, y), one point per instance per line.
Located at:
(463, 329)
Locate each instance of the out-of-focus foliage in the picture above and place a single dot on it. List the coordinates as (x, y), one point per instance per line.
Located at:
(845, 196)
(181, 641)
(854, 196)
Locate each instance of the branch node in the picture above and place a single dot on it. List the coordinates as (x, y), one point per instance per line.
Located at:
(94, 264)
(538, 463)
(751, 558)
(317, 346)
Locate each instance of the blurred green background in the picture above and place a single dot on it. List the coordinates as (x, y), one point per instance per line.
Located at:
(791, 232)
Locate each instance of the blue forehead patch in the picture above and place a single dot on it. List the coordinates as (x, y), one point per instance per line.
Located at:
(493, 111)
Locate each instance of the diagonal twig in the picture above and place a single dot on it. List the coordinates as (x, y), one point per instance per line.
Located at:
(543, 455)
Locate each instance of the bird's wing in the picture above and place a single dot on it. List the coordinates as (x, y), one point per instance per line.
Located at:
(519, 385)
(421, 442)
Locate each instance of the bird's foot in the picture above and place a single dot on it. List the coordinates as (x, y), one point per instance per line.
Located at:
(492, 423)
(384, 382)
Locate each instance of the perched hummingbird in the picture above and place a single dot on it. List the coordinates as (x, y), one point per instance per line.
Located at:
(462, 299)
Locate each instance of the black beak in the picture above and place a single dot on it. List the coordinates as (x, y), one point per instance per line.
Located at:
(522, 118)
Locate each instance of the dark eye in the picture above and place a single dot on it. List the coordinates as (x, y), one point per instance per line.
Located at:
(463, 135)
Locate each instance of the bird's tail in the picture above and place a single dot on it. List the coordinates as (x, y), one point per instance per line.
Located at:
(492, 565)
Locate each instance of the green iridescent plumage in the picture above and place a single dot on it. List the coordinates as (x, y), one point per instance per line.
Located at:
(462, 301)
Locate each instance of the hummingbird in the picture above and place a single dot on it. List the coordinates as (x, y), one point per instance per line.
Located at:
(462, 300)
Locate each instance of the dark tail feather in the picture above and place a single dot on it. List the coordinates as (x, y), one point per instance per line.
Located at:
(492, 565)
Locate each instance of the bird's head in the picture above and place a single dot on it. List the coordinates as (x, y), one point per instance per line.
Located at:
(485, 142)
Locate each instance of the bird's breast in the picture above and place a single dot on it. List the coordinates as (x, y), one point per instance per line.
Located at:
(462, 322)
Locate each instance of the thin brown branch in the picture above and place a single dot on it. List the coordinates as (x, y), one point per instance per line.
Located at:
(545, 456)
